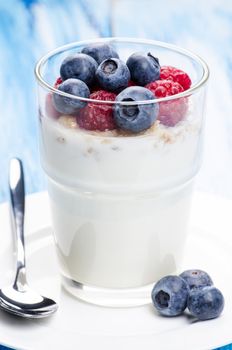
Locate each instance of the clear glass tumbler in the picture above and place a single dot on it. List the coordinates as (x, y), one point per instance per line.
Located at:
(120, 202)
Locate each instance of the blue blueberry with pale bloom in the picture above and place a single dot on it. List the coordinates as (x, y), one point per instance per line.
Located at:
(205, 303)
(144, 68)
(135, 117)
(79, 66)
(68, 105)
(113, 75)
(100, 51)
(196, 278)
(170, 295)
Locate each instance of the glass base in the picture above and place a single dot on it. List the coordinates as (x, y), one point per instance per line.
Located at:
(129, 297)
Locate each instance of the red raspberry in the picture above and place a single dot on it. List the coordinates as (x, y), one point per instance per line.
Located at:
(175, 74)
(163, 88)
(97, 116)
(49, 107)
(170, 112)
(58, 82)
(131, 83)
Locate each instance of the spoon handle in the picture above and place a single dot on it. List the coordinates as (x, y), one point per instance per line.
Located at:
(17, 201)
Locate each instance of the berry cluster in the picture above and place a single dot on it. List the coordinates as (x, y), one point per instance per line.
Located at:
(192, 289)
(98, 73)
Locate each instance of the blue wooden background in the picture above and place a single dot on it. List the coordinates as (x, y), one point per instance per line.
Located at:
(28, 29)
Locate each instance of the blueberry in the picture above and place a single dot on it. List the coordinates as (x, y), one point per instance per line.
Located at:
(79, 66)
(137, 117)
(196, 278)
(205, 303)
(113, 74)
(170, 295)
(68, 105)
(144, 68)
(100, 52)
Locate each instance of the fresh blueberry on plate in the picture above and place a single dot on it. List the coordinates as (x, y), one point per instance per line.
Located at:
(68, 105)
(79, 66)
(113, 75)
(170, 295)
(144, 68)
(100, 51)
(196, 278)
(136, 117)
(205, 303)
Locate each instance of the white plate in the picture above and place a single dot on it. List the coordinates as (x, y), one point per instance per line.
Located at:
(78, 325)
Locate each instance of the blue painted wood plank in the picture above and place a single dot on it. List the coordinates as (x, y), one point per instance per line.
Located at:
(28, 29)
(207, 30)
(26, 33)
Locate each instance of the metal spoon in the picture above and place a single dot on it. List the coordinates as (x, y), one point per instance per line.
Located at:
(18, 298)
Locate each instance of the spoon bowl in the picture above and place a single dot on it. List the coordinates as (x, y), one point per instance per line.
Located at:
(27, 304)
(19, 299)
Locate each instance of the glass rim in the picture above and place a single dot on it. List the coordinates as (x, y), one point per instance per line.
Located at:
(172, 47)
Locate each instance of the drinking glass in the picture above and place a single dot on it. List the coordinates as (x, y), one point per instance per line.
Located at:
(120, 202)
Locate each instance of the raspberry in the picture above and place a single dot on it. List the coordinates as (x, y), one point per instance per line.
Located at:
(97, 116)
(131, 83)
(176, 75)
(58, 82)
(163, 88)
(170, 112)
(49, 107)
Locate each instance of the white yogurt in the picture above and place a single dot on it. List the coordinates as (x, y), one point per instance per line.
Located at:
(120, 204)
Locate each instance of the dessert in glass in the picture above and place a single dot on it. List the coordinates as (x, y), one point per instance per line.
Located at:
(121, 128)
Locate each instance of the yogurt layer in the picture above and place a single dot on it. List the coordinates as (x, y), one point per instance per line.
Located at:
(110, 161)
(120, 203)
